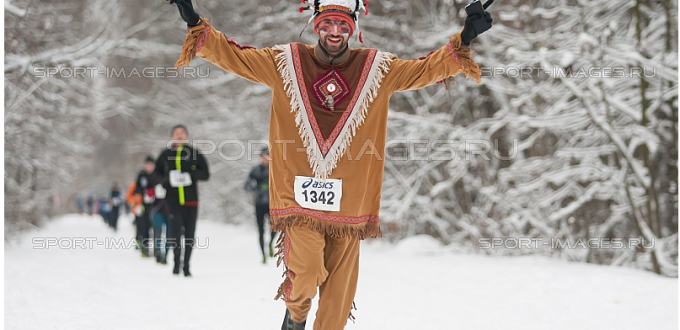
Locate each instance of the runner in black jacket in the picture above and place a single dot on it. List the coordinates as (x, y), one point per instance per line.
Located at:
(143, 185)
(181, 168)
(258, 183)
(150, 186)
(116, 202)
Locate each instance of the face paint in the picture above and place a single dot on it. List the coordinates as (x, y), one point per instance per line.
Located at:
(335, 27)
(334, 35)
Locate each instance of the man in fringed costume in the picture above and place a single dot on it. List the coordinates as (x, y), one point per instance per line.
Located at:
(327, 141)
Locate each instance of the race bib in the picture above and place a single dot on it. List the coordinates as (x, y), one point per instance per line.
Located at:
(159, 191)
(148, 199)
(315, 194)
(116, 201)
(179, 179)
(138, 210)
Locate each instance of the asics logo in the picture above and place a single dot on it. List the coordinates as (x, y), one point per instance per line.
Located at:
(317, 184)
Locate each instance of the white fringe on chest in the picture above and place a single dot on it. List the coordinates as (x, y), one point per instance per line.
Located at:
(323, 166)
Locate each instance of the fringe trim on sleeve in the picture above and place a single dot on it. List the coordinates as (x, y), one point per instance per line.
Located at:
(461, 55)
(189, 49)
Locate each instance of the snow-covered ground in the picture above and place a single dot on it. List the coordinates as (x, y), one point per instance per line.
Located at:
(413, 285)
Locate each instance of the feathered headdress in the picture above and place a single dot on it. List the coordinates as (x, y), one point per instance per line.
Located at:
(341, 9)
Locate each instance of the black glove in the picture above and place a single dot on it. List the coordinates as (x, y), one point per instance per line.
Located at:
(475, 24)
(186, 10)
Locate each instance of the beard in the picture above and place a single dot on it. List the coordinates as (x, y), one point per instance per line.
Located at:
(334, 48)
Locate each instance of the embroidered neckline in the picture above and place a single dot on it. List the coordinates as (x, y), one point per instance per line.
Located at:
(326, 144)
(323, 154)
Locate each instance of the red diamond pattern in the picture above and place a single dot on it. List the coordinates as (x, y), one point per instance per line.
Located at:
(331, 83)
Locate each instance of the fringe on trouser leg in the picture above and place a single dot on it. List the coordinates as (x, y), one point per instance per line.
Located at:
(282, 246)
(352, 317)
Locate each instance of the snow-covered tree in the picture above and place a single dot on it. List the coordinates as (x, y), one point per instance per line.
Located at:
(543, 148)
(568, 154)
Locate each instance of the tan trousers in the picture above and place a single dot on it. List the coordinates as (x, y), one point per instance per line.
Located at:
(332, 265)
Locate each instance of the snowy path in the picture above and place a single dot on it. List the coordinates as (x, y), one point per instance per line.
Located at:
(414, 285)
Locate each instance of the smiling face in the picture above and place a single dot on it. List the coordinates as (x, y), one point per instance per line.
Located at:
(334, 35)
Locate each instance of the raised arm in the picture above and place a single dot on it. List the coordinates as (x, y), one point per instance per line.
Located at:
(446, 62)
(203, 40)
(439, 65)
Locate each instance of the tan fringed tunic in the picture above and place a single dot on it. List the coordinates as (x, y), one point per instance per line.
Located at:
(308, 138)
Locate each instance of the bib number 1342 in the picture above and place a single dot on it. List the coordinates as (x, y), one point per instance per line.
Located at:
(323, 195)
